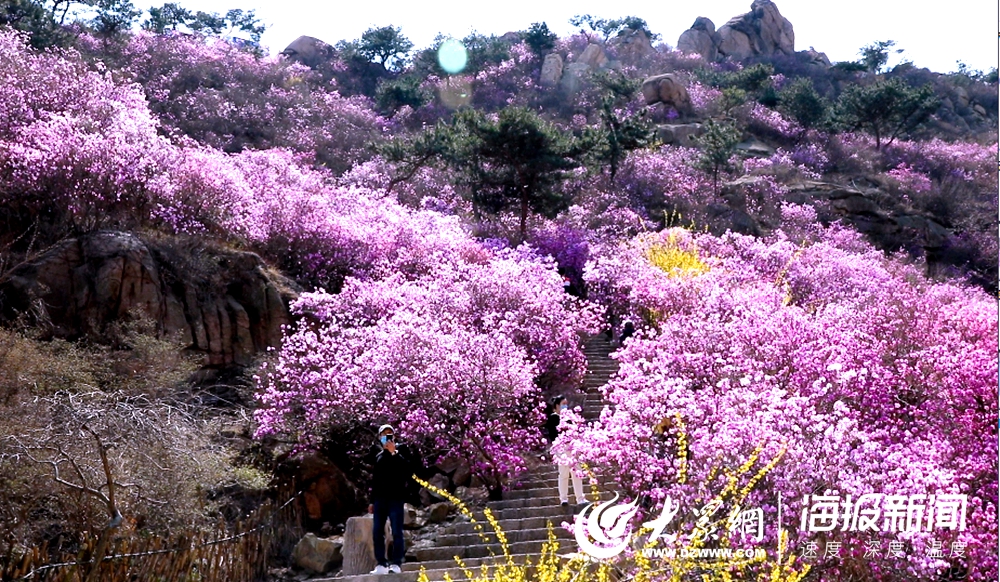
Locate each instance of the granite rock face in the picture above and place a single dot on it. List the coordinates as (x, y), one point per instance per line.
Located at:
(552, 70)
(701, 38)
(223, 303)
(669, 90)
(761, 32)
(309, 51)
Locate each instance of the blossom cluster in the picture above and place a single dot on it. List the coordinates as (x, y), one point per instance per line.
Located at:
(227, 98)
(872, 377)
(764, 120)
(456, 358)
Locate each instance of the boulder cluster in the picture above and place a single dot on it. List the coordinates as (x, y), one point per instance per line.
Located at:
(761, 32)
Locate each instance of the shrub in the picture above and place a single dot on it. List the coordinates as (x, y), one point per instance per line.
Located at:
(455, 358)
(886, 109)
(815, 348)
(801, 101)
(226, 98)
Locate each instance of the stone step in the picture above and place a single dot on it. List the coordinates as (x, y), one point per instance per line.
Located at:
(553, 511)
(528, 493)
(507, 525)
(477, 551)
(437, 569)
(439, 566)
(542, 498)
(551, 484)
(538, 534)
(543, 491)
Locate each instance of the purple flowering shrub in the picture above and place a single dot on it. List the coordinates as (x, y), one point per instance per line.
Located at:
(77, 150)
(767, 122)
(567, 244)
(511, 82)
(449, 390)
(872, 378)
(955, 182)
(705, 99)
(457, 358)
(666, 181)
(227, 98)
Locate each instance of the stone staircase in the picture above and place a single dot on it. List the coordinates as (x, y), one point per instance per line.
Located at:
(525, 511)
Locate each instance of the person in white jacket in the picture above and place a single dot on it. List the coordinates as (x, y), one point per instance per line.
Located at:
(556, 406)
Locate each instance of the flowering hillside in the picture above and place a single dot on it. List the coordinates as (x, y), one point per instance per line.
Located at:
(387, 240)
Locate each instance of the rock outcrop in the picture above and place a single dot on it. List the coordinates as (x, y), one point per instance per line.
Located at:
(593, 56)
(309, 51)
(328, 495)
(574, 75)
(632, 45)
(225, 304)
(701, 38)
(761, 32)
(552, 70)
(817, 58)
(682, 134)
(667, 89)
(318, 555)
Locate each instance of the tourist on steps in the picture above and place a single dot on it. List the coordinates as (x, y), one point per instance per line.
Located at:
(556, 406)
(390, 476)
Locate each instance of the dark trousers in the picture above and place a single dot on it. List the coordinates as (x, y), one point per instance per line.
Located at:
(394, 511)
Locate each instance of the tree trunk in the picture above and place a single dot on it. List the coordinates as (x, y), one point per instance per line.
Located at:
(524, 218)
(93, 575)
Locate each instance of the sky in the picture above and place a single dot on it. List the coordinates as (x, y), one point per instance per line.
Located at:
(934, 38)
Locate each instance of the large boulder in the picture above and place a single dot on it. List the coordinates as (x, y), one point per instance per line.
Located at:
(438, 512)
(632, 45)
(438, 480)
(755, 148)
(682, 134)
(701, 38)
(309, 51)
(328, 495)
(552, 70)
(593, 56)
(817, 58)
(225, 304)
(669, 90)
(574, 76)
(762, 31)
(318, 555)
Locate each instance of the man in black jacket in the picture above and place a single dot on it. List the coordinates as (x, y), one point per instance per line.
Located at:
(390, 476)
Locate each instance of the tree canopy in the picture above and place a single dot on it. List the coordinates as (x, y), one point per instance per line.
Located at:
(886, 108)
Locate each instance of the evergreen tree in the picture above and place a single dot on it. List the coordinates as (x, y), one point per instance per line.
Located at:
(515, 161)
(621, 132)
(512, 160)
(540, 38)
(885, 109)
(800, 100)
(718, 143)
(386, 45)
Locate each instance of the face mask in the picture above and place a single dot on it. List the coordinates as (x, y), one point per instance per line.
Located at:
(563, 407)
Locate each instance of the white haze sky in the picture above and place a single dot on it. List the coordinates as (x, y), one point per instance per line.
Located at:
(933, 37)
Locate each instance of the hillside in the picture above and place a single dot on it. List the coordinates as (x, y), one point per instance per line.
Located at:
(220, 271)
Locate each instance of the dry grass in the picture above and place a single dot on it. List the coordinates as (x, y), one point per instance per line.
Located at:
(132, 392)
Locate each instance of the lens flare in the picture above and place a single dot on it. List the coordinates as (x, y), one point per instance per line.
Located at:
(452, 56)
